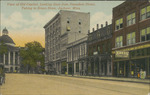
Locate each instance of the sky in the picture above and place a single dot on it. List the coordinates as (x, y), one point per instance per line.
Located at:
(25, 19)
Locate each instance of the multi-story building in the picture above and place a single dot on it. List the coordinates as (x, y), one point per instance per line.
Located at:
(77, 57)
(131, 36)
(65, 27)
(99, 51)
(10, 58)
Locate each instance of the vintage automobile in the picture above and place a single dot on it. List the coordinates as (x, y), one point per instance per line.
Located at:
(2, 74)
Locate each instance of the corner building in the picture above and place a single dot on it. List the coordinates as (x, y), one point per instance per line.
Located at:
(131, 33)
(64, 28)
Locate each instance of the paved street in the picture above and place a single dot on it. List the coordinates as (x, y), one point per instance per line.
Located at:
(32, 84)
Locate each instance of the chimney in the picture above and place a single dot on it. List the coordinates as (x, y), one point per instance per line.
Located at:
(97, 26)
(93, 29)
(101, 25)
(106, 23)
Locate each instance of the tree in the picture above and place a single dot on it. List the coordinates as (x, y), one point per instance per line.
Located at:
(31, 54)
(3, 50)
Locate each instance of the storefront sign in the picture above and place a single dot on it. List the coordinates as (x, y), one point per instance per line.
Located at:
(95, 53)
(122, 54)
(134, 48)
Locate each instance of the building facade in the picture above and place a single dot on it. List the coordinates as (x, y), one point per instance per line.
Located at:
(131, 34)
(64, 28)
(11, 58)
(99, 51)
(77, 57)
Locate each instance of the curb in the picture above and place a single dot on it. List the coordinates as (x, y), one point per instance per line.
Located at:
(108, 79)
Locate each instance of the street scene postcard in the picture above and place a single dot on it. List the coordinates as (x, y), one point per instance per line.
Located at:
(74, 47)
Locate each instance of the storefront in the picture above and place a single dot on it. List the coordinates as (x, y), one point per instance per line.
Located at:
(70, 68)
(139, 60)
(63, 67)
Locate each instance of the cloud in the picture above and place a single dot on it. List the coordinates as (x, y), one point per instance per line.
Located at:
(14, 20)
(39, 19)
(100, 18)
(23, 30)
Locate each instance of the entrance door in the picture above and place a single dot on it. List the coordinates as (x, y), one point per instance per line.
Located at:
(70, 69)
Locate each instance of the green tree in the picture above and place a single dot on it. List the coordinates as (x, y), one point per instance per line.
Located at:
(31, 54)
(3, 50)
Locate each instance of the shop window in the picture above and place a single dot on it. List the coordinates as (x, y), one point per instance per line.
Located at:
(119, 41)
(110, 68)
(121, 69)
(104, 48)
(145, 34)
(148, 51)
(119, 24)
(102, 67)
(131, 19)
(145, 13)
(131, 38)
(77, 67)
(132, 69)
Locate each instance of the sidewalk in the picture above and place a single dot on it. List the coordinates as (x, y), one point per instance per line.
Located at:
(133, 80)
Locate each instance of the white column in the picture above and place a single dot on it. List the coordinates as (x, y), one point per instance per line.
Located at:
(74, 68)
(8, 58)
(80, 48)
(85, 49)
(14, 58)
(67, 67)
(4, 59)
(18, 59)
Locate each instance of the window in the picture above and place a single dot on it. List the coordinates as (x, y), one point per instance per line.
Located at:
(104, 48)
(119, 23)
(98, 48)
(119, 41)
(68, 20)
(90, 38)
(131, 19)
(79, 21)
(77, 67)
(145, 34)
(68, 28)
(131, 38)
(145, 13)
(98, 34)
(79, 29)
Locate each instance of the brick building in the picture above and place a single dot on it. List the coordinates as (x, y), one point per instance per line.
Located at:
(99, 51)
(131, 33)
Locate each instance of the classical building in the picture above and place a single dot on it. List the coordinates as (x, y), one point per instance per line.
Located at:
(77, 57)
(11, 59)
(131, 37)
(65, 27)
(99, 51)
